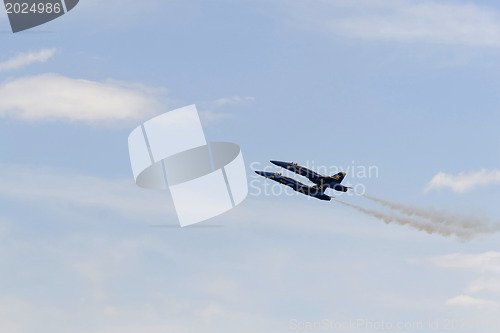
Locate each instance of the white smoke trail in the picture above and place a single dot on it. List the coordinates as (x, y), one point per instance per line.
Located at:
(426, 225)
(474, 224)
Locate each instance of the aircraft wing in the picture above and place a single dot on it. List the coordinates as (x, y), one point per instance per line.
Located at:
(314, 191)
(300, 170)
(294, 184)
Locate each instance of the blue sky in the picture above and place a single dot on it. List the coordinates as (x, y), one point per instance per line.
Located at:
(410, 87)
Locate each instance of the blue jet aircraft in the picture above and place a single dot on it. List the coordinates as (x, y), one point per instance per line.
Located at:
(317, 191)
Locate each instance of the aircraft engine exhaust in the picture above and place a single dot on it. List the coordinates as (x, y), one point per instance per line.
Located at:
(474, 224)
(429, 219)
(422, 225)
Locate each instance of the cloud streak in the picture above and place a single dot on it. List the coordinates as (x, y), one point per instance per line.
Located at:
(486, 263)
(481, 263)
(235, 100)
(491, 285)
(50, 97)
(26, 59)
(208, 113)
(464, 182)
(427, 22)
(404, 21)
(59, 188)
(469, 301)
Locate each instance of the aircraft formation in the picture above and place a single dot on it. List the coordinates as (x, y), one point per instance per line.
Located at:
(321, 182)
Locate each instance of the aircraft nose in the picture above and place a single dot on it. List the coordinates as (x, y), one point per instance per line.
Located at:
(278, 163)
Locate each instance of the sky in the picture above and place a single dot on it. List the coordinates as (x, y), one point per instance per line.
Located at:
(407, 89)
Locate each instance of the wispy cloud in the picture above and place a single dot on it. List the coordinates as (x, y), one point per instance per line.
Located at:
(482, 262)
(235, 100)
(27, 58)
(59, 188)
(490, 285)
(404, 21)
(464, 182)
(469, 301)
(92, 269)
(208, 108)
(51, 97)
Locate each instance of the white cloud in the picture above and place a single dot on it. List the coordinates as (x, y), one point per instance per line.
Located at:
(111, 283)
(134, 328)
(59, 188)
(221, 287)
(14, 312)
(464, 182)
(136, 280)
(235, 100)
(210, 312)
(404, 21)
(207, 108)
(491, 285)
(469, 301)
(56, 188)
(50, 97)
(111, 261)
(26, 59)
(483, 262)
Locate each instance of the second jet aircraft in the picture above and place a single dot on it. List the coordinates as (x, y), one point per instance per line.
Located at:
(317, 191)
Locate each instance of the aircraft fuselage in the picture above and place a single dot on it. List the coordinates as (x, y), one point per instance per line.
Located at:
(321, 182)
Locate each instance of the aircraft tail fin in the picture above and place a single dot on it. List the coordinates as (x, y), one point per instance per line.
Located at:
(339, 177)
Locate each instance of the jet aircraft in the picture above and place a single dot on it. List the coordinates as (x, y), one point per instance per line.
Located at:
(321, 182)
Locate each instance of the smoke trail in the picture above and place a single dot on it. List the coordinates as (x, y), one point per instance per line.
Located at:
(423, 225)
(474, 224)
